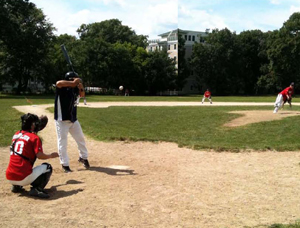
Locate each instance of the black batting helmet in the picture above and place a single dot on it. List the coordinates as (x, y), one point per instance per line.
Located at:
(70, 75)
(27, 120)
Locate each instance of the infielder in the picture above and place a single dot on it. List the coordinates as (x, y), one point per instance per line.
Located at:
(283, 96)
(207, 95)
(68, 92)
(26, 147)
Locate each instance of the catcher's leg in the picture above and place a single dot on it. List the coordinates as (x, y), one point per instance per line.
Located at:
(42, 180)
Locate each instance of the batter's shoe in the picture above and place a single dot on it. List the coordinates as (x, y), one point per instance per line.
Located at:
(66, 169)
(38, 193)
(17, 189)
(85, 162)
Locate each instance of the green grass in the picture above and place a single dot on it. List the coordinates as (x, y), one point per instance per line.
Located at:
(10, 120)
(195, 98)
(193, 127)
(295, 225)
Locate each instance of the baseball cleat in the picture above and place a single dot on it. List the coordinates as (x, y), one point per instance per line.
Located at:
(66, 169)
(85, 162)
(38, 193)
(17, 189)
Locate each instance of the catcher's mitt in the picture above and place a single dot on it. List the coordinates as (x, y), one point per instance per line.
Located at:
(43, 120)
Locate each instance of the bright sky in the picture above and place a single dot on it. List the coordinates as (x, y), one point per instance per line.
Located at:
(153, 17)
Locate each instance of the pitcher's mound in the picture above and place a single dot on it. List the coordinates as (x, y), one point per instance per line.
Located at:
(256, 116)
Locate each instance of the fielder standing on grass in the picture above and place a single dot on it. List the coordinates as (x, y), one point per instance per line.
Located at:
(283, 96)
(68, 92)
(207, 95)
(25, 149)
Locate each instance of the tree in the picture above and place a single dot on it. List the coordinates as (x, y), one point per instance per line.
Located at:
(216, 63)
(183, 68)
(25, 35)
(283, 51)
(250, 48)
(112, 31)
(160, 72)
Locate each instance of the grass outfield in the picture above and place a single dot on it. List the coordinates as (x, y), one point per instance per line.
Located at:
(193, 127)
(49, 99)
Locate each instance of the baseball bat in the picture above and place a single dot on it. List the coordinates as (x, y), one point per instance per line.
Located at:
(67, 57)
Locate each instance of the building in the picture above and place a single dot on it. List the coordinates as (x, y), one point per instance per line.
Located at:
(169, 40)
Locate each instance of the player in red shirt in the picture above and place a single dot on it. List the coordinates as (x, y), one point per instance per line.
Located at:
(26, 147)
(284, 95)
(207, 95)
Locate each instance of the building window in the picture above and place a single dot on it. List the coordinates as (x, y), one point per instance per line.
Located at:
(175, 58)
(169, 47)
(193, 38)
(150, 48)
(174, 46)
(185, 36)
(189, 37)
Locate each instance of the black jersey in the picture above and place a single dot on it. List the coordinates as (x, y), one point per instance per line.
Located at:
(64, 108)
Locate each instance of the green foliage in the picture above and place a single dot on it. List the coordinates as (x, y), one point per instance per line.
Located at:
(25, 35)
(111, 31)
(108, 54)
(160, 72)
(216, 64)
(283, 48)
(251, 62)
(183, 68)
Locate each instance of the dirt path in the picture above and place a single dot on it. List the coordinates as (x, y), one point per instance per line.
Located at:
(170, 187)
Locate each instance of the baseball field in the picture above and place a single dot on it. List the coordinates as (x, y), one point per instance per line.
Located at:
(164, 162)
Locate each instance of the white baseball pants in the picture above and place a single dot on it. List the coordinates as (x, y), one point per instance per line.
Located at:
(62, 130)
(36, 172)
(203, 99)
(278, 103)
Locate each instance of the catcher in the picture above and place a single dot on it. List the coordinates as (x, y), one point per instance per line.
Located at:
(26, 147)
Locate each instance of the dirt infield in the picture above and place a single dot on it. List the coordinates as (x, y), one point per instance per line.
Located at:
(167, 187)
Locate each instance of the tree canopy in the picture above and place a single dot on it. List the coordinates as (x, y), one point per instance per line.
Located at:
(108, 54)
(251, 62)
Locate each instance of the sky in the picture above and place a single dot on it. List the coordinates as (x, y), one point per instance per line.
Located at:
(154, 17)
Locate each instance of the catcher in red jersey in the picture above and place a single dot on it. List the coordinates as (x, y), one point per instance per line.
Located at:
(207, 95)
(283, 96)
(25, 149)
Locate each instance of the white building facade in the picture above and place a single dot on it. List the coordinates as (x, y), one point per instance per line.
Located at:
(169, 40)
